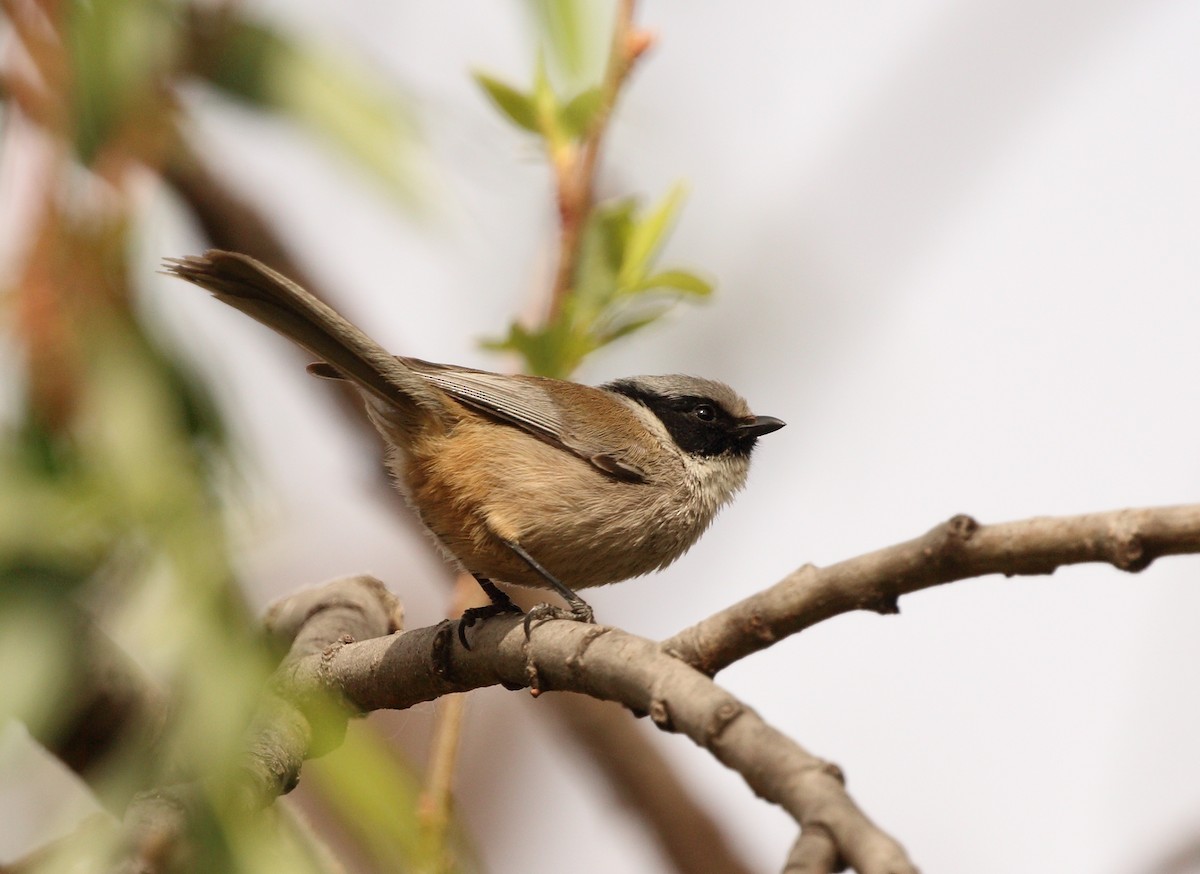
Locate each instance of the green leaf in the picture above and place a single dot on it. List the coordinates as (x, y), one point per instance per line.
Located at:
(575, 34)
(647, 237)
(624, 327)
(616, 222)
(605, 237)
(577, 116)
(546, 107)
(554, 350)
(516, 106)
(374, 792)
(680, 280)
(536, 348)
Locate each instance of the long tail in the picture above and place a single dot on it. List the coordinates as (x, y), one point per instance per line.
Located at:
(277, 302)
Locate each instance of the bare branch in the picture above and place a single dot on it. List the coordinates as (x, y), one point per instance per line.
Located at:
(955, 550)
(813, 853)
(405, 669)
(310, 620)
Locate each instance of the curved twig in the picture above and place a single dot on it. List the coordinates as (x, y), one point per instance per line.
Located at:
(957, 549)
(404, 669)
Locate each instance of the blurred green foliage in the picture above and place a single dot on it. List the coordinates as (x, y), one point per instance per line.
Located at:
(367, 785)
(574, 35)
(116, 464)
(337, 98)
(116, 52)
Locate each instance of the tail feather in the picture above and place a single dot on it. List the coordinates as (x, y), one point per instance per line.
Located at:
(280, 304)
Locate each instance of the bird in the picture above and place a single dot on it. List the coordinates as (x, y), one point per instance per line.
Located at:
(522, 480)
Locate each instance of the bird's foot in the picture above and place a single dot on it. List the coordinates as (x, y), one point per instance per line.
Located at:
(578, 611)
(477, 614)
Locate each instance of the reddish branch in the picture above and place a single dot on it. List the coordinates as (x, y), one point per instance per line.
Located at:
(575, 167)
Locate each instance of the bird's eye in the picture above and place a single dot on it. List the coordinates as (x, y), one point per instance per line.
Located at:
(705, 412)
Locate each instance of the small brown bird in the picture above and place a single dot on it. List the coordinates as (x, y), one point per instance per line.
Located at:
(523, 479)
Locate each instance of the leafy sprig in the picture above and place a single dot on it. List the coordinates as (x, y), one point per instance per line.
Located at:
(608, 284)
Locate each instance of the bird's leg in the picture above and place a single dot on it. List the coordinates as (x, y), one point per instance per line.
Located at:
(578, 610)
(501, 603)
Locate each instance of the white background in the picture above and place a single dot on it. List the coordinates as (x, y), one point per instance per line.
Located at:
(956, 249)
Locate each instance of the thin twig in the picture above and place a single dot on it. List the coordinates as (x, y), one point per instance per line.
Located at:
(435, 805)
(436, 801)
(957, 549)
(575, 168)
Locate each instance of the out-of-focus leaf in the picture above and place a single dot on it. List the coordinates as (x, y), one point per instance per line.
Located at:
(600, 256)
(518, 107)
(576, 117)
(680, 280)
(354, 112)
(53, 535)
(334, 96)
(118, 50)
(375, 796)
(55, 530)
(647, 236)
(546, 108)
(574, 34)
(194, 409)
(625, 327)
(33, 665)
(545, 351)
(237, 57)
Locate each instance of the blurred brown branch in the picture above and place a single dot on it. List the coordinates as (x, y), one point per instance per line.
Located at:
(113, 709)
(642, 778)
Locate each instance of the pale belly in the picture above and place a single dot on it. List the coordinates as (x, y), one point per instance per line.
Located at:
(585, 527)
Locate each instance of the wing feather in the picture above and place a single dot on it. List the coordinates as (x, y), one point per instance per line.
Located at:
(521, 401)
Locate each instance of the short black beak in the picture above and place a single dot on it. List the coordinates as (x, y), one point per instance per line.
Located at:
(759, 425)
